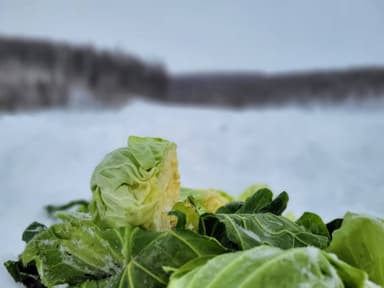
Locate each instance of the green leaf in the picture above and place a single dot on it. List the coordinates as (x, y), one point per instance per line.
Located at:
(257, 202)
(172, 249)
(359, 242)
(110, 282)
(230, 208)
(278, 205)
(191, 211)
(206, 200)
(266, 266)
(334, 225)
(32, 230)
(181, 219)
(313, 223)
(245, 231)
(195, 202)
(78, 252)
(152, 252)
(75, 251)
(27, 275)
(260, 202)
(81, 205)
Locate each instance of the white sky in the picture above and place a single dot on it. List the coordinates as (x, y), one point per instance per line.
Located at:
(201, 35)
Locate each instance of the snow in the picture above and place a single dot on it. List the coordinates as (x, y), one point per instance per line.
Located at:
(329, 160)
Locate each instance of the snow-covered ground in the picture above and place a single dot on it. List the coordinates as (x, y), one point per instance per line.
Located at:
(328, 159)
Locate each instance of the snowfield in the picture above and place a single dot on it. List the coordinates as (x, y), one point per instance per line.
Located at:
(329, 160)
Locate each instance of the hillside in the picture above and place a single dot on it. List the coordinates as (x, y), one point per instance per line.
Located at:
(244, 89)
(37, 74)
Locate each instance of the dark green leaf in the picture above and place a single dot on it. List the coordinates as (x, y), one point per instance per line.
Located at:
(334, 225)
(278, 205)
(181, 218)
(209, 225)
(172, 249)
(81, 205)
(230, 208)
(260, 202)
(257, 202)
(24, 274)
(249, 230)
(313, 223)
(32, 230)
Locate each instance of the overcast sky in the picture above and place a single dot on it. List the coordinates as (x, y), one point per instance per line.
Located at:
(196, 35)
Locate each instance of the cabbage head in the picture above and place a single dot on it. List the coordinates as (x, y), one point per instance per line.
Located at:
(136, 185)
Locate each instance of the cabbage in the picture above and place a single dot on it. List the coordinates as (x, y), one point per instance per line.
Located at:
(136, 232)
(195, 202)
(209, 200)
(136, 185)
(360, 242)
(266, 266)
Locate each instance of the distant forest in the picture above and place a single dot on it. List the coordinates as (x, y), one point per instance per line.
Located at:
(245, 89)
(41, 74)
(36, 74)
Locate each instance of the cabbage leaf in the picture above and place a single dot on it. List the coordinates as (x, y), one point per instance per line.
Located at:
(245, 231)
(360, 242)
(260, 202)
(266, 266)
(78, 252)
(71, 252)
(196, 202)
(208, 200)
